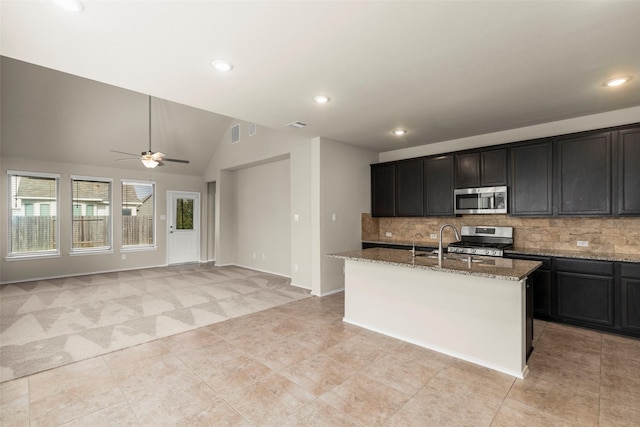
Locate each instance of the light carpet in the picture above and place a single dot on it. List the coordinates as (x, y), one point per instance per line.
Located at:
(50, 323)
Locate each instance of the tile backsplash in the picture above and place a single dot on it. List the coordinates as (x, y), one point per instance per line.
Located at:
(610, 235)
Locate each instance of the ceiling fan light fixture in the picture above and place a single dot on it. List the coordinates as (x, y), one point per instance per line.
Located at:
(618, 81)
(150, 163)
(399, 132)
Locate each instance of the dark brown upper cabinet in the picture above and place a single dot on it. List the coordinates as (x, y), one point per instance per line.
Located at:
(584, 175)
(485, 168)
(410, 187)
(467, 170)
(532, 179)
(383, 189)
(628, 163)
(438, 185)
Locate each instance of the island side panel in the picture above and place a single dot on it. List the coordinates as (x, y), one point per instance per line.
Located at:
(478, 319)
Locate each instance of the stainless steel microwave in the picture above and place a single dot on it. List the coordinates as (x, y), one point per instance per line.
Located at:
(483, 200)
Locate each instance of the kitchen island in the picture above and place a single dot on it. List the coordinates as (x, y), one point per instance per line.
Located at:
(473, 309)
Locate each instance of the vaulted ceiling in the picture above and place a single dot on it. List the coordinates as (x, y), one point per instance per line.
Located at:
(439, 69)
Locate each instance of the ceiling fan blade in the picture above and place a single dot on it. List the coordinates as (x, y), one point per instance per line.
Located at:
(175, 160)
(122, 152)
(130, 158)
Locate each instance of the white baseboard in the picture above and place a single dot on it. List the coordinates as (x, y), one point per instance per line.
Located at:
(331, 292)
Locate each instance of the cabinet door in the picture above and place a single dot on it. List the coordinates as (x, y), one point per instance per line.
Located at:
(468, 170)
(383, 184)
(630, 310)
(584, 175)
(585, 298)
(439, 184)
(532, 179)
(409, 188)
(629, 172)
(493, 167)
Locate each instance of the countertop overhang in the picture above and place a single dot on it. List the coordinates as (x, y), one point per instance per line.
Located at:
(491, 267)
(595, 255)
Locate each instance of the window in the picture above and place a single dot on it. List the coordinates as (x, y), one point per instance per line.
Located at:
(91, 232)
(184, 214)
(33, 229)
(138, 214)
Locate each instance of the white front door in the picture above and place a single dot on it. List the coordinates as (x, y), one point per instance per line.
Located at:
(183, 221)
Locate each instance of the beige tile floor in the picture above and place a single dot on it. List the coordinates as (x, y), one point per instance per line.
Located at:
(300, 365)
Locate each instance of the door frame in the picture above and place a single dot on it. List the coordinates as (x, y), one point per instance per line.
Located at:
(170, 219)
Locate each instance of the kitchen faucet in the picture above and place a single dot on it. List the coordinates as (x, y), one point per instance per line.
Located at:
(440, 240)
(419, 236)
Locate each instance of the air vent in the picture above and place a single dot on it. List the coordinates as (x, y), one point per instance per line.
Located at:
(235, 133)
(252, 129)
(297, 125)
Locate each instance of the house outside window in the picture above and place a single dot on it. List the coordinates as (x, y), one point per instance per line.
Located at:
(138, 215)
(91, 232)
(33, 214)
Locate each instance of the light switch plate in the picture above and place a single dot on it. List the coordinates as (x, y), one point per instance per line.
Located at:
(388, 234)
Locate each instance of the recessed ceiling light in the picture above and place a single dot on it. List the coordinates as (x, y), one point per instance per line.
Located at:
(70, 5)
(321, 99)
(221, 65)
(617, 81)
(399, 132)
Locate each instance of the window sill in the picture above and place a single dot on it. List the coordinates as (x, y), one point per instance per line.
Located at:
(138, 248)
(31, 256)
(91, 252)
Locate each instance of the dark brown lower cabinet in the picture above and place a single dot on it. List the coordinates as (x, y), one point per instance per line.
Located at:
(585, 292)
(630, 297)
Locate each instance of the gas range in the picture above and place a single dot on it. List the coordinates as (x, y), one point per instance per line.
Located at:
(483, 240)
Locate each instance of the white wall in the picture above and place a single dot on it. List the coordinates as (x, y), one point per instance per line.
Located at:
(66, 265)
(561, 127)
(266, 146)
(262, 208)
(341, 192)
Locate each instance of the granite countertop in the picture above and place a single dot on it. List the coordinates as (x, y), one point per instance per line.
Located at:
(592, 255)
(582, 254)
(492, 267)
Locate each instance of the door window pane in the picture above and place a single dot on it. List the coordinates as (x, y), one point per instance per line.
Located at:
(91, 232)
(138, 214)
(184, 214)
(33, 230)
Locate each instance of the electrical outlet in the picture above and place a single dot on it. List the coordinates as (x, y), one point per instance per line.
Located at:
(433, 236)
(583, 243)
(295, 267)
(388, 234)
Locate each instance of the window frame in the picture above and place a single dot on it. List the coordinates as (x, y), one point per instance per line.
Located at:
(101, 249)
(142, 247)
(49, 253)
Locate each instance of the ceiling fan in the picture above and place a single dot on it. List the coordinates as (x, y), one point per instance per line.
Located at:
(149, 158)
